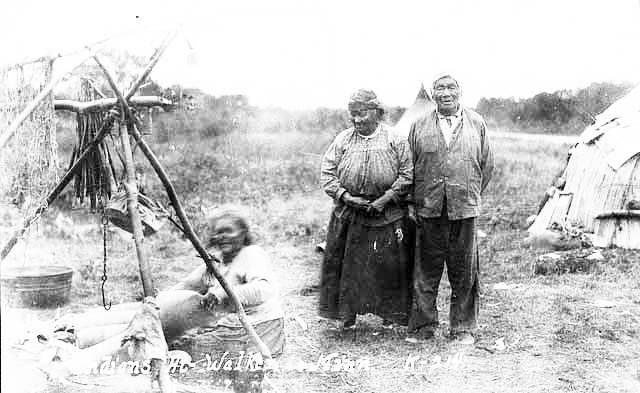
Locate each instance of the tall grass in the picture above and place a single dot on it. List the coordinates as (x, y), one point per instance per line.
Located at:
(264, 172)
(523, 171)
(271, 173)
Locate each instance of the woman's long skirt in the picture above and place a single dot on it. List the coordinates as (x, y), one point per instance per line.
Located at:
(366, 269)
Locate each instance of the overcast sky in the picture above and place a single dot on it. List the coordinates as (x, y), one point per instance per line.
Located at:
(306, 54)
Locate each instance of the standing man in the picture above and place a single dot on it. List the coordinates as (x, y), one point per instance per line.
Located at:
(453, 163)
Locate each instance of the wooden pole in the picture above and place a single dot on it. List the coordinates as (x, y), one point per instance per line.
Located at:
(8, 133)
(195, 241)
(130, 182)
(131, 189)
(186, 224)
(152, 63)
(184, 220)
(98, 44)
(68, 176)
(95, 87)
(107, 103)
(86, 55)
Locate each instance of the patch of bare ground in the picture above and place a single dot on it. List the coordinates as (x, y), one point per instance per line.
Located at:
(555, 334)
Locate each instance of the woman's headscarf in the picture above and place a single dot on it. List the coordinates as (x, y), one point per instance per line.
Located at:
(366, 98)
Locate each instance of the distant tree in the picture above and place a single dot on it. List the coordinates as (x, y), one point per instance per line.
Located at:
(394, 114)
(321, 119)
(563, 111)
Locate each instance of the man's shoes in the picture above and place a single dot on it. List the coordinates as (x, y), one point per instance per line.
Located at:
(420, 335)
(463, 338)
(350, 323)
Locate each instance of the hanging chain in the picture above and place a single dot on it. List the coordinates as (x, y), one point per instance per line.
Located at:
(105, 223)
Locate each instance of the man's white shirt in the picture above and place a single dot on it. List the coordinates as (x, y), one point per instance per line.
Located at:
(449, 123)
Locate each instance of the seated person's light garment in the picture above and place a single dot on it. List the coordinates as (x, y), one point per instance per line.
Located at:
(251, 278)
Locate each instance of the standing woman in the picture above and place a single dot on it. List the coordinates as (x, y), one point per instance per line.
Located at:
(367, 171)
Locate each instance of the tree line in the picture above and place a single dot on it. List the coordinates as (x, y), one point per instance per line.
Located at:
(201, 114)
(204, 115)
(561, 112)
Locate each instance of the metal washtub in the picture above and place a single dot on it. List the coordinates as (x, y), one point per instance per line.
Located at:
(36, 286)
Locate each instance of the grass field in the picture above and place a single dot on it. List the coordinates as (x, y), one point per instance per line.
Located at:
(555, 337)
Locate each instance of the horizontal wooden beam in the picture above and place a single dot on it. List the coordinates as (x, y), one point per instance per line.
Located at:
(619, 213)
(106, 104)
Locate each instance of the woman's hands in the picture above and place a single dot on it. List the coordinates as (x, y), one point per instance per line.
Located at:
(355, 201)
(379, 204)
(361, 203)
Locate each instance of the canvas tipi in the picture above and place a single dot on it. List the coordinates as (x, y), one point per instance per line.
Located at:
(601, 193)
(422, 104)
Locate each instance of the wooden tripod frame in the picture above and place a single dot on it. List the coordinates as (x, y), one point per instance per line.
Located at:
(132, 192)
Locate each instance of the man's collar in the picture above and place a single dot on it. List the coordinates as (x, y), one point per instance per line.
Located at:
(457, 113)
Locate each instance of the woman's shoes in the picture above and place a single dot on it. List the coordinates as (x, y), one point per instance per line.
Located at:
(348, 324)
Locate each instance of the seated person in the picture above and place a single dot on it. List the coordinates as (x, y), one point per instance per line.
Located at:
(198, 302)
(246, 268)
